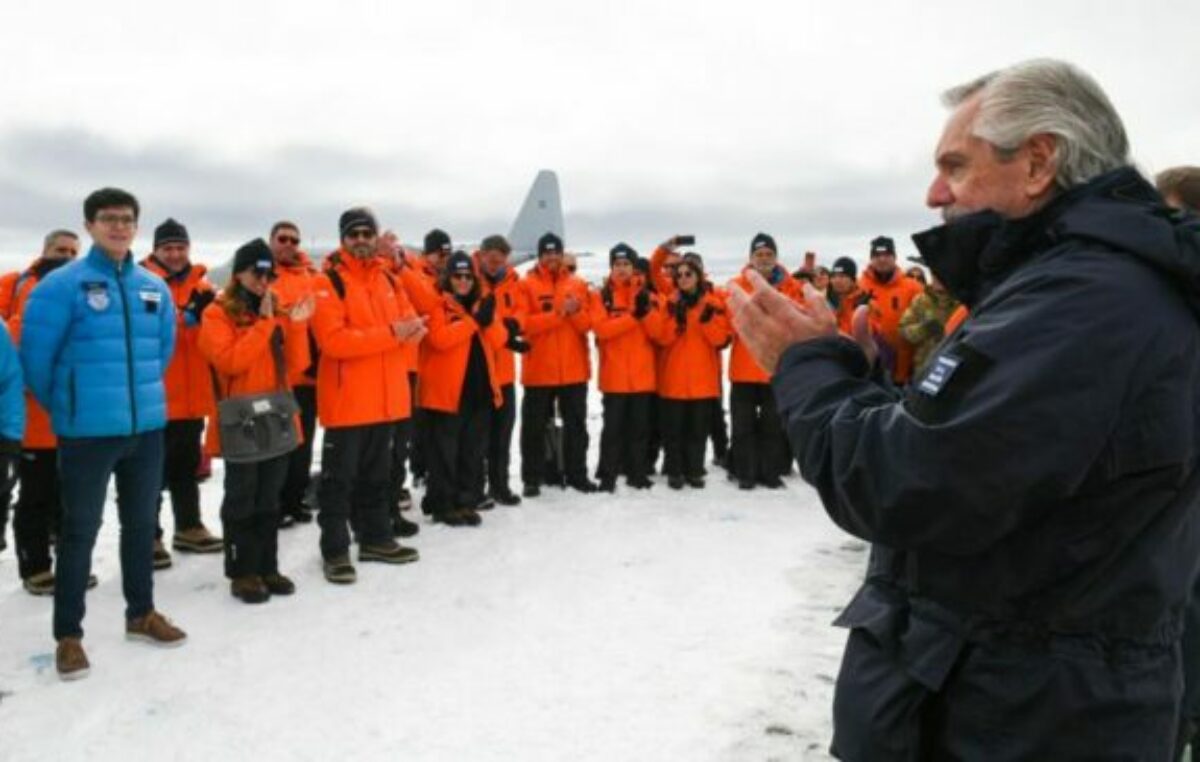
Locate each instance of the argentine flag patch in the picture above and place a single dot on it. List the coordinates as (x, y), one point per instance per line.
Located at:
(939, 373)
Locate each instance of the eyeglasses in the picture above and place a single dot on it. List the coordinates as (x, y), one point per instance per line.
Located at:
(65, 251)
(267, 275)
(462, 276)
(287, 239)
(116, 220)
(364, 233)
(683, 272)
(670, 268)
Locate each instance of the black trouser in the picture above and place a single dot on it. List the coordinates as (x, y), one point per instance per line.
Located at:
(625, 438)
(456, 443)
(250, 516)
(685, 426)
(402, 433)
(416, 449)
(38, 511)
(760, 446)
(5, 501)
(499, 449)
(295, 485)
(718, 431)
(355, 466)
(537, 408)
(181, 459)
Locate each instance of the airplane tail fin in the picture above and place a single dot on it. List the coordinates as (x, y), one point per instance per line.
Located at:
(541, 213)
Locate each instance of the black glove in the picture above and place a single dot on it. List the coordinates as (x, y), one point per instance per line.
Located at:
(707, 314)
(933, 328)
(516, 342)
(10, 455)
(485, 313)
(641, 304)
(547, 306)
(198, 301)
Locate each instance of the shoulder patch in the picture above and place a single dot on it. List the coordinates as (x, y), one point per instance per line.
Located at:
(940, 371)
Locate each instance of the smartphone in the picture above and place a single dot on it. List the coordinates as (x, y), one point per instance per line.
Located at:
(685, 240)
(810, 261)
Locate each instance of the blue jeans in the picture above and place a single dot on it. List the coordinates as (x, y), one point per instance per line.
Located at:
(85, 466)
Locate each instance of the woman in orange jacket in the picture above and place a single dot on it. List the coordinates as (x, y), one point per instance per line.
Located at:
(625, 316)
(458, 390)
(252, 351)
(695, 328)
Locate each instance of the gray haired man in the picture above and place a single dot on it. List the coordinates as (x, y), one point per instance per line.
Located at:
(1032, 497)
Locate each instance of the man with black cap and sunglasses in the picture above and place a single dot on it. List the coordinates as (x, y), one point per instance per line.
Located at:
(189, 392)
(363, 319)
(556, 368)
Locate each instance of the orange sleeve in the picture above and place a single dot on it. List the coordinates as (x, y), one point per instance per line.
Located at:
(446, 334)
(338, 340)
(608, 326)
(536, 321)
(229, 353)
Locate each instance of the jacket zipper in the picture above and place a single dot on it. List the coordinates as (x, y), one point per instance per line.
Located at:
(128, 353)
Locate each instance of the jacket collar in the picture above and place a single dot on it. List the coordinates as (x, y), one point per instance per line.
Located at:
(96, 257)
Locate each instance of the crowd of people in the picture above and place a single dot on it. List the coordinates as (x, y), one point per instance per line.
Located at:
(408, 361)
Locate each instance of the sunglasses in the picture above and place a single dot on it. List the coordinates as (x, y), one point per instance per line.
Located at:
(364, 233)
(684, 272)
(462, 276)
(267, 275)
(293, 240)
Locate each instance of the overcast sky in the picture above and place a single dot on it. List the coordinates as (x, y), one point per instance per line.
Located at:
(814, 121)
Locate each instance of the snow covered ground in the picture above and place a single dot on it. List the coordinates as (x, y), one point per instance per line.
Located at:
(662, 626)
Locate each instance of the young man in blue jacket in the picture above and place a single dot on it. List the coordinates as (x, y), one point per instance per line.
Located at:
(97, 338)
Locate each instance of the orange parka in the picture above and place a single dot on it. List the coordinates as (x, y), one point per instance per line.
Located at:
(888, 303)
(742, 366)
(293, 282)
(558, 353)
(509, 304)
(39, 434)
(187, 381)
(361, 377)
(691, 360)
(627, 349)
(447, 352)
(420, 282)
(844, 308)
(237, 344)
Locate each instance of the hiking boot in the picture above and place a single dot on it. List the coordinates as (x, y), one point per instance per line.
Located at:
(197, 540)
(404, 502)
(463, 517)
(506, 497)
(486, 503)
(402, 527)
(470, 517)
(639, 482)
(745, 484)
(531, 490)
(675, 482)
(608, 484)
(390, 553)
(696, 482)
(42, 583)
(339, 570)
(771, 482)
(156, 629)
(162, 559)
(70, 660)
(278, 584)
(584, 485)
(249, 589)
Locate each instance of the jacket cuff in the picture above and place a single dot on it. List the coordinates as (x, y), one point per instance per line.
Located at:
(809, 366)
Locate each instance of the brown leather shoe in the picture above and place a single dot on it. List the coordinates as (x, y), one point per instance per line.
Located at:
(70, 660)
(278, 584)
(156, 629)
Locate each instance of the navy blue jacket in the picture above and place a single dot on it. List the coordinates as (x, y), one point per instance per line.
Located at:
(95, 343)
(1032, 497)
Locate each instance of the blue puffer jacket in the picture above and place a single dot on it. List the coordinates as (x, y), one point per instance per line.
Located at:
(12, 391)
(96, 341)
